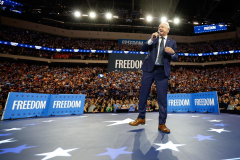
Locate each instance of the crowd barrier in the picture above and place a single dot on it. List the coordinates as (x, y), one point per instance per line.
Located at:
(22, 105)
(110, 51)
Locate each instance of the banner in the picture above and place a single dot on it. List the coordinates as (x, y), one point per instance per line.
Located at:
(22, 105)
(205, 101)
(131, 41)
(179, 102)
(199, 102)
(63, 104)
(125, 62)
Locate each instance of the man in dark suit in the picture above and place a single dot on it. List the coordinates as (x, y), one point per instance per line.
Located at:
(156, 67)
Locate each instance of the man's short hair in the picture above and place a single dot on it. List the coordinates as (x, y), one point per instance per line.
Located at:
(166, 24)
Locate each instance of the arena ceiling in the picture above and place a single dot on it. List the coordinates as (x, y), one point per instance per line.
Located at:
(189, 11)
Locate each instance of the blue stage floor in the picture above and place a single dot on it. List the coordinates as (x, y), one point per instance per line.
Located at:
(109, 137)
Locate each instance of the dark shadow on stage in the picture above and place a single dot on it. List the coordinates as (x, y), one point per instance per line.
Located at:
(148, 150)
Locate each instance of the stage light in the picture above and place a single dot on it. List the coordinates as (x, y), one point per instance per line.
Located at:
(164, 19)
(92, 15)
(77, 14)
(108, 15)
(195, 22)
(176, 20)
(149, 18)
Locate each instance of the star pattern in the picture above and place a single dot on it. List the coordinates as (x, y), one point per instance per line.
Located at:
(48, 121)
(233, 158)
(83, 116)
(206, 118)
(114, 153)
(8, 140)
(218, 130)
(201, 138)
(214, 120)
(58, 152)
(120, 122)
(8, 134)
(169, 145)
(221, 124)
(12, 129)
(16, 149)
(32, 124)
(125, 121)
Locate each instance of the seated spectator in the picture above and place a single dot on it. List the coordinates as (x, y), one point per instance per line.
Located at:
(237, 104)
(132, 106)
(109, 107)
(117, 105)
(231, 106)
(221, 104)
(85, 108)
(92, 106)
(1, 110)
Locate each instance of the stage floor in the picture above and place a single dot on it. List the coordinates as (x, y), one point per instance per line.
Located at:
(108, 136)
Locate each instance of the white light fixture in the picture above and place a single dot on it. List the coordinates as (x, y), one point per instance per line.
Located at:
(77, 14)
(108, 15)
(176, 20)
(149, 18)
(92, 15)
(164, 19)
(195, 22)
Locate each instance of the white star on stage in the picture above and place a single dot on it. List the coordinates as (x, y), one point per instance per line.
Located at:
(218, 130)
(13, 129)
(232, 159)
(125, 121)
(48, 121)
(214, 120)
(83, 116)
(168, 145)
(58, 152)
(7, 140)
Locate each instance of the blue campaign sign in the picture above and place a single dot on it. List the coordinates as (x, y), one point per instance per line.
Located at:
(21, 105)
(205, 101)
(179, 102)
(64, 104)
(131, 41)
(199, 102)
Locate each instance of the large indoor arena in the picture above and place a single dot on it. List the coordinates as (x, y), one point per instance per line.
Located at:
(119, 80)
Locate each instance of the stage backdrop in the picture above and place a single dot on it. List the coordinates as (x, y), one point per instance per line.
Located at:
(125, 62)
(22, 105)
(199, 102)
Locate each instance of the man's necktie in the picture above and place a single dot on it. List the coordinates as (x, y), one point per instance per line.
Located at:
(160, 54)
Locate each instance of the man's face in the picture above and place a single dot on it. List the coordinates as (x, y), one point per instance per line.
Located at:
(163, 28)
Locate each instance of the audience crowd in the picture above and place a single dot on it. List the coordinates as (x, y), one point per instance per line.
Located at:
(116, 89)
(53, 41)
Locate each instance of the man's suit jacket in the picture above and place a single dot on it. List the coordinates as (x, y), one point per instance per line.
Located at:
(152, 50)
